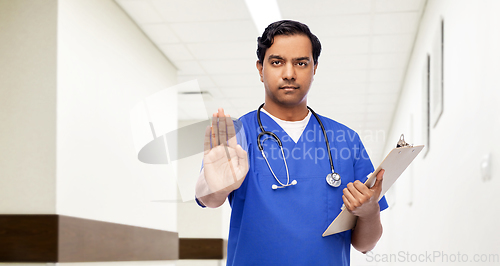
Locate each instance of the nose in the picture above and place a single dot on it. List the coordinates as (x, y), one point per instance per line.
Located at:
(288, 72)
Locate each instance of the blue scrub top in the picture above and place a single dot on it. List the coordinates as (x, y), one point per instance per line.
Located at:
(285, 226)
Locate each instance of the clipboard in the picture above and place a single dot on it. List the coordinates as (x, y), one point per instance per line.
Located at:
(394, 165)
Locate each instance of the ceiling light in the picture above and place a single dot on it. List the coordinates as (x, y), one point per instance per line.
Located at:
(264, 12)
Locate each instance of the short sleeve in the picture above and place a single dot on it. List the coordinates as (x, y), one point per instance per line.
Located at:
(383, 204)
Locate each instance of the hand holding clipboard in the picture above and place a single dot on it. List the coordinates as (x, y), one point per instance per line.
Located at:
(394, 165)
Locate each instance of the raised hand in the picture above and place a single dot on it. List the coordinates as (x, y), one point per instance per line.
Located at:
(225, 163)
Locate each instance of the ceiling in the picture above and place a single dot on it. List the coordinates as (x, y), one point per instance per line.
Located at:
(366, 46)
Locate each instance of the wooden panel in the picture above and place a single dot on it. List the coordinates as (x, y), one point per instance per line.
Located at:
(28, 238)
(82, 240)
(55, 238)
(201, 248)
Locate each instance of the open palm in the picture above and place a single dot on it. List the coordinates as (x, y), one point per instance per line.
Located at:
(225, 162)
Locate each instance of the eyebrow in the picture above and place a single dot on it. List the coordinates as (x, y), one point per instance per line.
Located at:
(306, 58)
(275, 57)
(302, 58)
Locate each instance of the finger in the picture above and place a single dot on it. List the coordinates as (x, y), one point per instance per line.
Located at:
(362, 188)
(350, 198)
(354, 191)
(215, 131)
(347, 204)
(208, 133)
(231, 133)
(222, 127)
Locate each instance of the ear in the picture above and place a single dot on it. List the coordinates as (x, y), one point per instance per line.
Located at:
(315, 66)
(259, 67)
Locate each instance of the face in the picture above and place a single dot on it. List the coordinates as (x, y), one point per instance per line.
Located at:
(288, 70)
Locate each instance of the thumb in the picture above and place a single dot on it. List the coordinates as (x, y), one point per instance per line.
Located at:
(378, 182)
(240, 152)
(242, 155)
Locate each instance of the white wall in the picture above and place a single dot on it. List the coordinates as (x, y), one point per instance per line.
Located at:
(70, 72)
(450, 208)
(105, 66)
(28, 106)
(194, 221)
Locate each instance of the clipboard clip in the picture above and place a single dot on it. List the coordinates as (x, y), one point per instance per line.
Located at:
(402, 142)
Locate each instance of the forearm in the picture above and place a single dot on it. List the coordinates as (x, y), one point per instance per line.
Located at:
(206, 196)
(366, 233)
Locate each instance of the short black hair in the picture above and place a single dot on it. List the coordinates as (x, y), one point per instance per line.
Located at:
(286, 27)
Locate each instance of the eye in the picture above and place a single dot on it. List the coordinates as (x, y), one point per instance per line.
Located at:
(276, 63)
(302, 64)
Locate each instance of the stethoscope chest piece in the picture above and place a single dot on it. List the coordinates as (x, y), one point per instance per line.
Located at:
(333, 179)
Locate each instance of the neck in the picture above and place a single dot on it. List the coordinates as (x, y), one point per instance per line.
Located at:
(293, 113)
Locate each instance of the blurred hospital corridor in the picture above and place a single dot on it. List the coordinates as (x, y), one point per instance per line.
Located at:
(104, 105)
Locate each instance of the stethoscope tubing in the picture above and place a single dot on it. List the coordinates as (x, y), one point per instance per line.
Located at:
(277, 139)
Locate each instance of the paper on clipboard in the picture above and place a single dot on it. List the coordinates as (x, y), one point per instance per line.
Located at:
(394, 165)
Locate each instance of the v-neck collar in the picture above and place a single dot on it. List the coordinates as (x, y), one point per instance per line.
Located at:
(282, 134)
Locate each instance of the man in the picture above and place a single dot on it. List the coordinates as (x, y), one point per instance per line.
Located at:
(275, 221)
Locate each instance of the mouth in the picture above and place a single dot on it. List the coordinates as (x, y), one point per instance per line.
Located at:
(288, 88)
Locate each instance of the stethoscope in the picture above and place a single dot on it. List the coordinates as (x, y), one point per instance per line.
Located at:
(333, 178)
